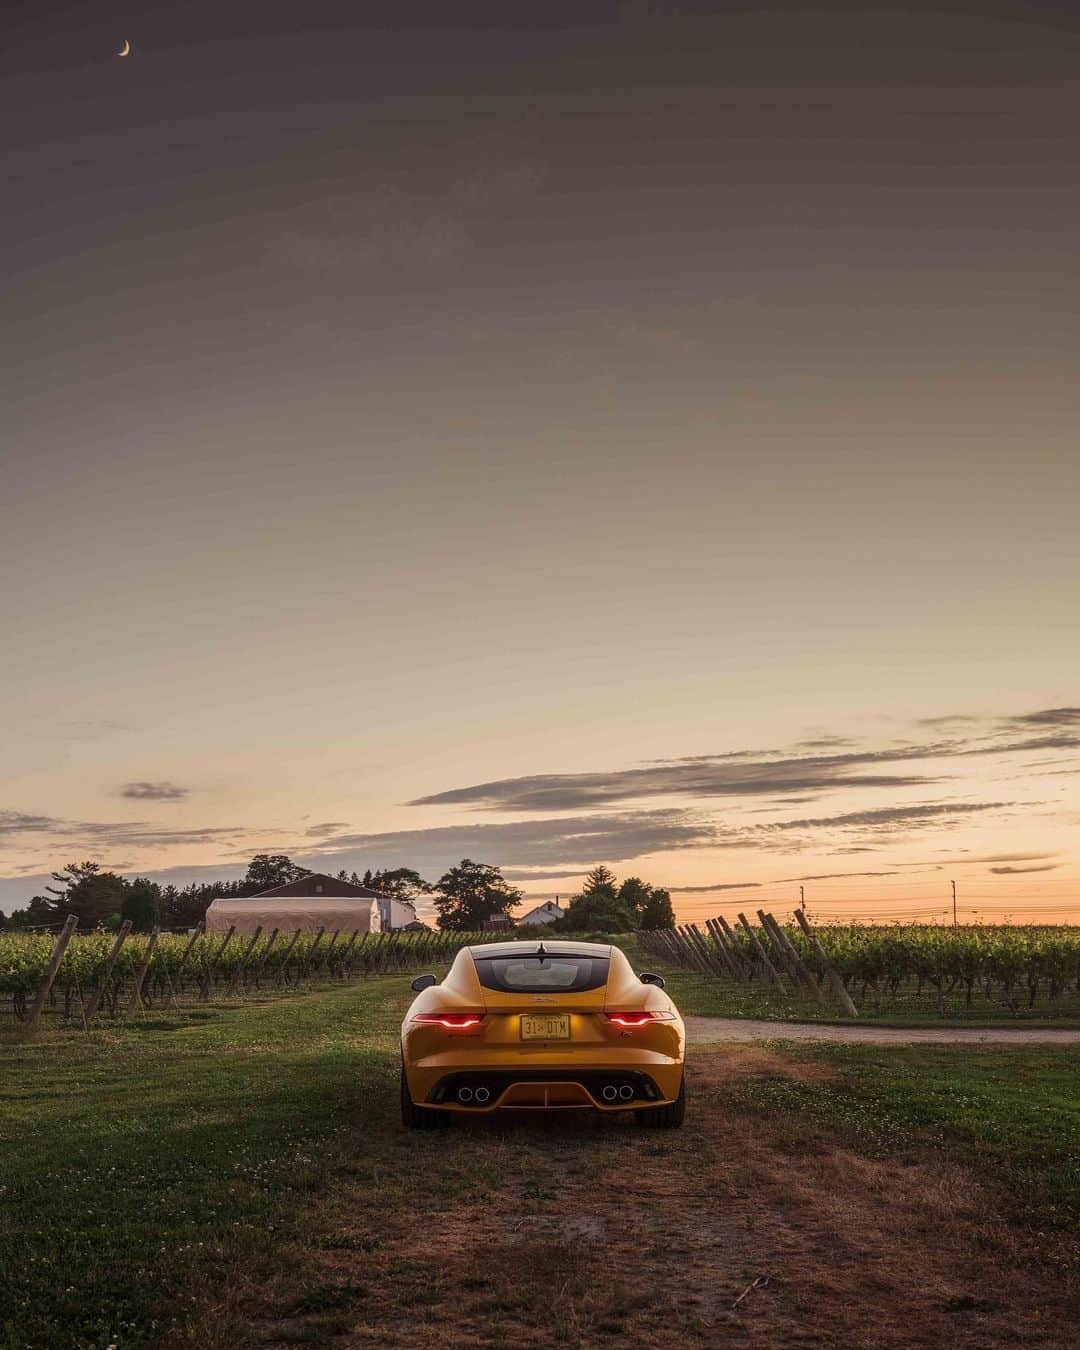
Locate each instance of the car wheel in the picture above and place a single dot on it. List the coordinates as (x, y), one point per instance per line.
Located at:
(415, 1117)
(668, 1117)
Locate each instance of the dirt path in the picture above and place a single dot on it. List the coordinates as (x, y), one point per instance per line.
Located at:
(580, 1231)
(706, 1030)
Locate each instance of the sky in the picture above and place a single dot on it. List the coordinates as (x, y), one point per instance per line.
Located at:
(639, 433)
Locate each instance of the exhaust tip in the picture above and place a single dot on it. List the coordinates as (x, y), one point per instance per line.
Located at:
(464, 1094)
(609, 1092)
(482, 1094)
(626, 1092)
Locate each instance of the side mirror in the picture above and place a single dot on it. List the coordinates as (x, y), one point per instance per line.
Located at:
(423, 982)
(647, 977)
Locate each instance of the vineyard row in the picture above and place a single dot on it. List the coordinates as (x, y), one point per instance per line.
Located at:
(107, 973)
(1013, 966)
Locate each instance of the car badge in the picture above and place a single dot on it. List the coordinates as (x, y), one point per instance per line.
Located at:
(541, 999)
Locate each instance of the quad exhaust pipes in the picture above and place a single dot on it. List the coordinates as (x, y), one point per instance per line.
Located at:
(610, 1093)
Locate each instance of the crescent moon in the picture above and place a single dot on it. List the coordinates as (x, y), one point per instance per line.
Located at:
(125, 50)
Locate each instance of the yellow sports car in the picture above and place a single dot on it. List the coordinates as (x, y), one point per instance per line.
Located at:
(547, 1026)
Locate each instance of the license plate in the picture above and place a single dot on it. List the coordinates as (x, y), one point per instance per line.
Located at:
(545, 1027)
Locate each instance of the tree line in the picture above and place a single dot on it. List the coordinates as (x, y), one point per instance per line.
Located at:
(465, 897)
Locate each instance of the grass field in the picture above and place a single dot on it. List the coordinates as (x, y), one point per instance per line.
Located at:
(238, 1175)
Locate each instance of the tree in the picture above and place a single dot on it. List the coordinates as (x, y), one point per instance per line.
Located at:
(649, 904)
(402, 883)
(634, 893)
(85, 891)
(600, 908)
(267, 870)
(470, 893)
(142, 904)
(657, 911)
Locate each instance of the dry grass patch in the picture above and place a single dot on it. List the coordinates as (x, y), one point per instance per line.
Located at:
(583, 1231)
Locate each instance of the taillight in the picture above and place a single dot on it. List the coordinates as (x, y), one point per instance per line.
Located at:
(450, 1020)
(632, 1019)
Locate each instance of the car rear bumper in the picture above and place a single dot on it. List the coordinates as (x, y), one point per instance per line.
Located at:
(477, 1091)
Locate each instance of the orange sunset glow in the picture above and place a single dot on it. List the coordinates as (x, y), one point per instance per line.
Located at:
(603, 440)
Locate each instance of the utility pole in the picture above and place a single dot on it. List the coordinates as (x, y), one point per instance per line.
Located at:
(953, 904)
(802, 899)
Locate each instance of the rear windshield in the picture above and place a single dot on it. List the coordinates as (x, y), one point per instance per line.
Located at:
(542, 974)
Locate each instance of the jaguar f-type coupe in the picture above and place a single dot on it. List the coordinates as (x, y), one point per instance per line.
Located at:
(542, 1026)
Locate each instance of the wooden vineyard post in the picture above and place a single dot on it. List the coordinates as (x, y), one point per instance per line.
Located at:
(95, 998)
(733, 943)
(388, 952)
(260, 965)
(279, 979)
(762, 955)
(311, 951)
(834, 979)
(693, 951)
(44, 988)
(710, 958)
(796, 960)
(235, 980)
(676, 949)
(144, 966)
(721, 946)
(343, 959)
(783, 957)
(214, 960)
(725, 934)
(371, 955)
(684, 953)
(174, 985)
(324, 964)
(358, 954)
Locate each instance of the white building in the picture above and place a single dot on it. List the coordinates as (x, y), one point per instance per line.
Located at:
(548, 912)
(310, 903)
(395, 913)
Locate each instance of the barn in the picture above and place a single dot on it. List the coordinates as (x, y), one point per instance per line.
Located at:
(313, 902)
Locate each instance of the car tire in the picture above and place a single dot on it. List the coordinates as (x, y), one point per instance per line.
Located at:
(667, 1117)
(415, 1117)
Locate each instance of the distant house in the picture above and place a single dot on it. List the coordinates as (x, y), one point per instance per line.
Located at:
(313, 902)
(395, 913)
(545, 913)
(496, 922)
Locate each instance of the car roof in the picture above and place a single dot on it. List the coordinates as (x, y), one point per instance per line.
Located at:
(552, 947)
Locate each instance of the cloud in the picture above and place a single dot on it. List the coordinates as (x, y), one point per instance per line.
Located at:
(1001, 858)
(1048, 717)
(585, 840)
(1012, 871)
(719, 777)
(887, 817)
(327, 827)
(720, 886)
(19, 822)
(834, 876)
(527, 874)
(96, 834)
(154, 792)
(774, 773)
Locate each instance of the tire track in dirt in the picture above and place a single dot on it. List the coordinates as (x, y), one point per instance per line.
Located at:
(585, 1231)
(712, 1030)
